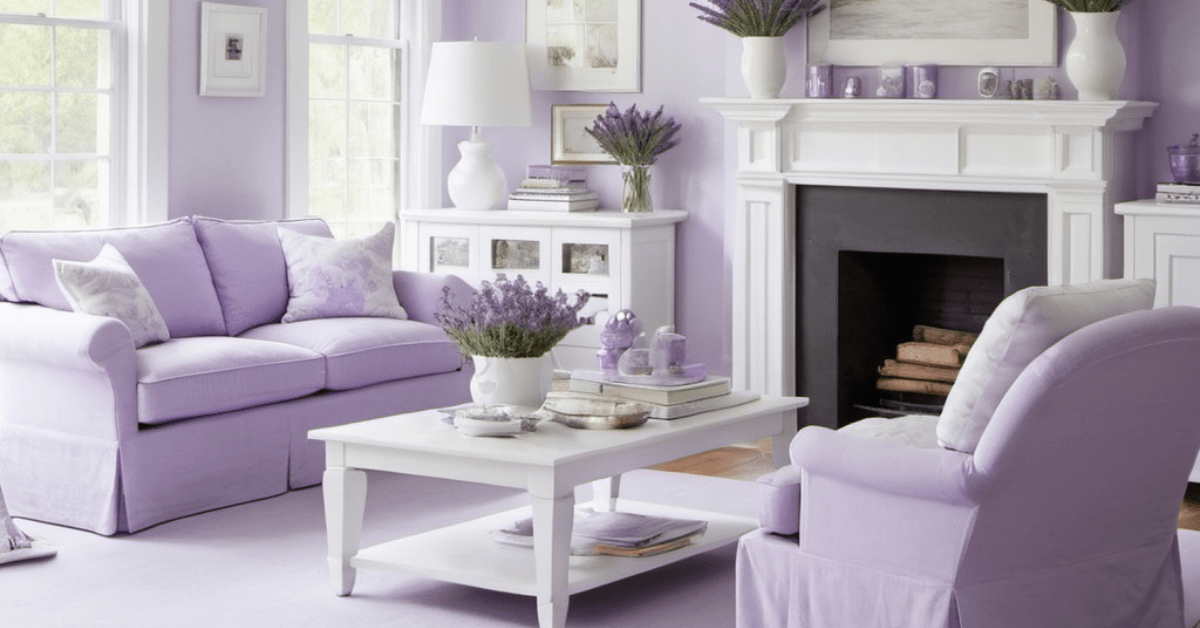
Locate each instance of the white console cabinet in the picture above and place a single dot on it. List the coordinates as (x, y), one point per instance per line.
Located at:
(1162, 242)
(625, 261)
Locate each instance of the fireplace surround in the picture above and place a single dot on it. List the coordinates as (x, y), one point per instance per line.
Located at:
(1074, 153)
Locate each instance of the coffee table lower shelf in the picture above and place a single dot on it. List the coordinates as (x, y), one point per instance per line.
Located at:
(464, 553)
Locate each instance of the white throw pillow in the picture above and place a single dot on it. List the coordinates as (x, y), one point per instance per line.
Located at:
(107, 286)
(1024, 325)
(329, 278)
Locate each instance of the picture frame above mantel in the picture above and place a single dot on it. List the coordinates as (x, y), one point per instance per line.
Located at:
(592, 46)
(949, 32)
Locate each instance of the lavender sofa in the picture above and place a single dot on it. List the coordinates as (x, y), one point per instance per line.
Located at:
(98, 435)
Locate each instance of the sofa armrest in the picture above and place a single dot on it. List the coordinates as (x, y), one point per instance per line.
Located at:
(421, 293)
(63, 370)
(779, 500)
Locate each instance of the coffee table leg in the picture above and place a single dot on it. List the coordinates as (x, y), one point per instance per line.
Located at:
(345, 492)
(605, 492)
(553, 518)
(782, 441)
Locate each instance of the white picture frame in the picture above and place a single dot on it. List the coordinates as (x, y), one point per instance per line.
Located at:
(592, 46)
(995, 35)
(570, 143)
(233, 50)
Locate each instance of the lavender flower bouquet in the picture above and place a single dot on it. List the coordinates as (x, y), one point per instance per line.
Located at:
(759, 18)
(635, 139)
(510, 319)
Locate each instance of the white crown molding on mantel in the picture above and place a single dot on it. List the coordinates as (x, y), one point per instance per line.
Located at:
(1076, 153)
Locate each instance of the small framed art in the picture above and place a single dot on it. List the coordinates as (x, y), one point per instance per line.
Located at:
(570, 143)
(233, 50)
(592, 46)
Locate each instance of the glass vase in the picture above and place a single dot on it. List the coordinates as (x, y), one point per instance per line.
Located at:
(635, 189)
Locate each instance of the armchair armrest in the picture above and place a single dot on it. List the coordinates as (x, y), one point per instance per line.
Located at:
(894, 467)
(421, 293)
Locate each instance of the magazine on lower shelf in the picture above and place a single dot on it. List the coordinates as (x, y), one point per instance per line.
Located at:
(613, 533)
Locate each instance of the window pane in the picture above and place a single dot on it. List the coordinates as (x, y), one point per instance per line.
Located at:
(372, 190)
(87, 9)
(372, 73)
(78, 201)
(77, 58)
(25, 125)
(25, 7)
(327, 189)
(81, 117)
(326, 130)
(326, 71)
(322, 17)
(25, 201)
(24, 55)
(366, 18)
(372, 131)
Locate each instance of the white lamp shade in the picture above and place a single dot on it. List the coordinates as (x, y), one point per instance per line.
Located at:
(477, 84)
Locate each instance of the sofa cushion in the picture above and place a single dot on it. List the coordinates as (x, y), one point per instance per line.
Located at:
(247, 266)
(7, 292)
(350, 277)
(190, 377)
(363, 351)
(1024, 325)
(165, 256)
(107, 286)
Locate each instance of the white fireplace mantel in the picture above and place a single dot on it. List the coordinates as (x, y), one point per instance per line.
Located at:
(1076, 153)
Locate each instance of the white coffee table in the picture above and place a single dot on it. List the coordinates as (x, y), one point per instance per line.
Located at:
(549, 464)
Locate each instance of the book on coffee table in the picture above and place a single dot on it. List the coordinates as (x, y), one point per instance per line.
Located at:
(599, 383)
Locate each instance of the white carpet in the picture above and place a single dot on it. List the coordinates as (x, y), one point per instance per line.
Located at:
(263, 565)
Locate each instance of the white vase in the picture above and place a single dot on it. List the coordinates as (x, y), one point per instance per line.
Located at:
(1096, 59)
(511, 381)
(764, 66)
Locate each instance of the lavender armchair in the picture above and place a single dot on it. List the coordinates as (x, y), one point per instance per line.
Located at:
(1065, 513)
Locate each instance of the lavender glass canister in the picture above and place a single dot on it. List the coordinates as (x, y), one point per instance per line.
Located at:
(1185, 161)
(820, 81)
(921, 80)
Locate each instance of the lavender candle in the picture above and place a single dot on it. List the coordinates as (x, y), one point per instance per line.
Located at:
(921, 80)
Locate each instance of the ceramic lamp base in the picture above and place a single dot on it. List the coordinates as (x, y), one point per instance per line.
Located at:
(476, 182)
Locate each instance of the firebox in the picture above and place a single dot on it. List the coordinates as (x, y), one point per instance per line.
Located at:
(873, 263)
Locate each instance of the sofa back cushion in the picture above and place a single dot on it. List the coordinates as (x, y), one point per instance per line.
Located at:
(1024, 325)
(248, 268)
(166, 257)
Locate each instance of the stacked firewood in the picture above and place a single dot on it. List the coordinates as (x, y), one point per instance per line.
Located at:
(927, 365)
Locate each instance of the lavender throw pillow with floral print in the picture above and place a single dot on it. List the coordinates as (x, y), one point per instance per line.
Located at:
(107, 286)
(329, 278)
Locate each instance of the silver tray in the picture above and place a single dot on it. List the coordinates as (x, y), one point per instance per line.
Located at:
(588, 412)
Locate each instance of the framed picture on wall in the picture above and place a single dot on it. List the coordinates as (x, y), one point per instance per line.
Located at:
(950, 32)
(570, 143)
(233, 50)
(592, 46)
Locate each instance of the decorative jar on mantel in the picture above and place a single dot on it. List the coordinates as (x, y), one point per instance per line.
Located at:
(1095, 60)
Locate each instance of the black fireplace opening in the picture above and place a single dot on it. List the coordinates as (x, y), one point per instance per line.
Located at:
(874, 262)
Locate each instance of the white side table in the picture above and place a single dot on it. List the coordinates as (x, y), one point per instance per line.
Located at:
(1162, 242)
(625, 261)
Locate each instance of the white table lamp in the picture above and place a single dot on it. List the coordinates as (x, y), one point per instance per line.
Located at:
(477, 84)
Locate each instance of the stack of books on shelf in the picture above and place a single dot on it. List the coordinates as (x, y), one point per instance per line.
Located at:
(554, 189)
(928, 365)
(665, 402)
(1187, 193)
(614, 533)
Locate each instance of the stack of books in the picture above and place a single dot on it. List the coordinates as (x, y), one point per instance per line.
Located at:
(554, 189)
(614, 533)
(1178, 193)
(665, 402)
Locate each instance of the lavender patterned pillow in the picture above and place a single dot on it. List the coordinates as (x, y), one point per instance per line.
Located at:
(329, 278)
(107, 286)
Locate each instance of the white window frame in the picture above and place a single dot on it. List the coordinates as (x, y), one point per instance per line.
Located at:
(419, 147)
(138, 150)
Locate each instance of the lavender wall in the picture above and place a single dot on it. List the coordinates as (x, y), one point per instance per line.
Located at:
(227, 155)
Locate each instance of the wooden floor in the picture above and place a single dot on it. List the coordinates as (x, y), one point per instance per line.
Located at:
(747, 462)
